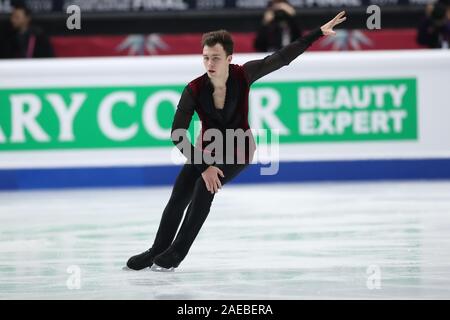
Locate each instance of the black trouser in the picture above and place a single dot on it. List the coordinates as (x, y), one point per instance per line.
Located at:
(189, 189)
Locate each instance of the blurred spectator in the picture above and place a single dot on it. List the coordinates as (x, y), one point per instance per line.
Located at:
(23, 40)
(434, 29)
(278, 28)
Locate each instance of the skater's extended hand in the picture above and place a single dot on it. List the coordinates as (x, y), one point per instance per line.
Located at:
(211, 178)
(327, 28)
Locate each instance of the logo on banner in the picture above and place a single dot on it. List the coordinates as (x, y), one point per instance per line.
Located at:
(312, 111)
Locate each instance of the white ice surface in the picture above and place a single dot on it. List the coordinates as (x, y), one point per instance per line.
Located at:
(273, 241)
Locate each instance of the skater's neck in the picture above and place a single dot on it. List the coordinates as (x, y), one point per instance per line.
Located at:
(220, 82)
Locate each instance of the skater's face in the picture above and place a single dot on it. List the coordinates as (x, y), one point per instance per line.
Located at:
(215, 60)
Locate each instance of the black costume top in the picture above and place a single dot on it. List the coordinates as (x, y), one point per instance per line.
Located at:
(198, 96)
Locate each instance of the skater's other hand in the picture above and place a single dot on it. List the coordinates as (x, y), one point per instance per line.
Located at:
(327, 28)
(211, 178)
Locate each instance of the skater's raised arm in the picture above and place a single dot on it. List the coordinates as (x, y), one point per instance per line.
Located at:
(181, 121)
(257, 69)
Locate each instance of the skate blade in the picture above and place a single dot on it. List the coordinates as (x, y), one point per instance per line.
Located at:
(126, 268)
(157, 268)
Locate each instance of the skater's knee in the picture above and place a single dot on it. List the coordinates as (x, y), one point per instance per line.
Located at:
(200, 187)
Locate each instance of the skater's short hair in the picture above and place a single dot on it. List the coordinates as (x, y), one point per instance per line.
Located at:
(223, 37)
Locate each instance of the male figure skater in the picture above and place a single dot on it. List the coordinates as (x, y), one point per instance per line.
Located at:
(220, 98)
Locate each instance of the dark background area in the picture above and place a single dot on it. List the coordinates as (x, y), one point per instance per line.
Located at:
(234, 20)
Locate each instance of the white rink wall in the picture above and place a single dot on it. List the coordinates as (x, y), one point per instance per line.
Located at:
(406, 118)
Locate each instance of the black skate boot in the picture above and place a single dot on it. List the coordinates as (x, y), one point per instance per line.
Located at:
(142, 260)
(166, 261)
